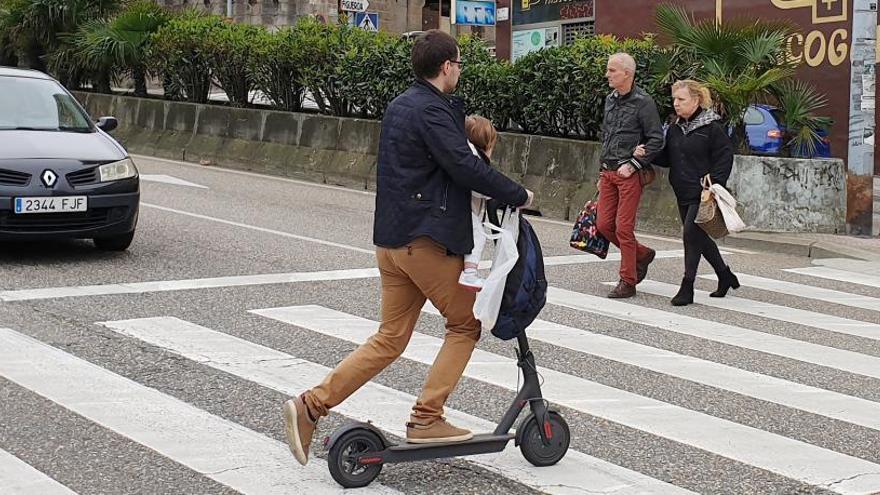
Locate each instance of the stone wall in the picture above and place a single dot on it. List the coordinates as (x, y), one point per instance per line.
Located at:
(396, 16)
(775, 194)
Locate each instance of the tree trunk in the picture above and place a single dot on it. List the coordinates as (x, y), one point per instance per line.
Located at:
(140, 82)
(103, 83)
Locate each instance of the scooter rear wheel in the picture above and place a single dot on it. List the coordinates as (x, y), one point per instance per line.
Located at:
(534, 450)
(343, 456)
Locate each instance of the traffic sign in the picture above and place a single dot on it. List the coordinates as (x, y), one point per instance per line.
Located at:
(368, 21)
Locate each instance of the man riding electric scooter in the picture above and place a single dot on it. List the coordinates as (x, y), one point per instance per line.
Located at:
(425, 175)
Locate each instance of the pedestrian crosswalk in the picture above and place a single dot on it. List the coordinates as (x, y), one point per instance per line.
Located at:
(250, 462)
(772, 311)
(807, 291)
(217, 448)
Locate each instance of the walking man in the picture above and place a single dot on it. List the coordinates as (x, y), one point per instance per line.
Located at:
(630, 119)
(426, 173)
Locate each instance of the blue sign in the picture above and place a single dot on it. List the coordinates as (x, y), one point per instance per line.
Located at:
(368, 21)
(474, 13)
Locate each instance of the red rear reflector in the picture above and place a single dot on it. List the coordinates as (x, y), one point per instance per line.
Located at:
(548, 430)
(369, 460)
(774, 133)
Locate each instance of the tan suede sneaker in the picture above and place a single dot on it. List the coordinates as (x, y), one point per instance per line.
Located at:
(437, 432)
(299, 428)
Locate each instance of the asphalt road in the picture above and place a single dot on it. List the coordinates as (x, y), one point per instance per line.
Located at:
(149, 371)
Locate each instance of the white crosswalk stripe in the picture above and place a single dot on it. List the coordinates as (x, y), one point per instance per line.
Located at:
(20, 478)
(385, 407)
(774, 453)
(838, 275)
(224, 451)
(772, 311)
(851, 362)
(806, 291)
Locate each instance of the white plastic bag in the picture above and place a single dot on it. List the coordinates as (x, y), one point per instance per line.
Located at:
(488, 301)
(727, 205)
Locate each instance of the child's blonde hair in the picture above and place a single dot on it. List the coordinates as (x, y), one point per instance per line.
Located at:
(481, 132)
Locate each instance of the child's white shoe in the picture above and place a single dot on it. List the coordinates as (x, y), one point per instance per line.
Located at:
(470, 280)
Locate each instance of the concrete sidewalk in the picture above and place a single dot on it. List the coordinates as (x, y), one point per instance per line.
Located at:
(810, 245)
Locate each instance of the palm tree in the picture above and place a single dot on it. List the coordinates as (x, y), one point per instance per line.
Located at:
(740, 61)
(799, 103)
(40, 27)
(120, 45)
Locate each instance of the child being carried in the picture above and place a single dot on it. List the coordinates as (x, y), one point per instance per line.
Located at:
(482, 137)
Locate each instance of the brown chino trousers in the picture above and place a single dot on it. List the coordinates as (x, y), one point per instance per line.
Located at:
(410, 274)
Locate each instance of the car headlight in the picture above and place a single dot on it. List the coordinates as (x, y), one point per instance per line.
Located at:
(123, 169)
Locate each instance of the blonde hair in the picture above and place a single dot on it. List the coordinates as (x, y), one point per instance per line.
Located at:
(481, 132)
(697, 90)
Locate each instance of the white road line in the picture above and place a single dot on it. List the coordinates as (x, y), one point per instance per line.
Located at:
(168, 179)
(386, 407)
(778, 454)
(219, 449)
(806, 291)
(373, 193)
(187, 284)
(851, 362)
(260, 229)
(243, 280)
(838, 275)
(806, 398)
(20, 478)
(821, 321)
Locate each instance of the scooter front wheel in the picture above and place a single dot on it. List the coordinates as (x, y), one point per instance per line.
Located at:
(343, 458)
(533, 448)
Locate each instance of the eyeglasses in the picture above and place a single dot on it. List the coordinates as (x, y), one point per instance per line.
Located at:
(459, 62)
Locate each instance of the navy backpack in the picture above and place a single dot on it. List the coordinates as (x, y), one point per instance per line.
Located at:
(525, 290)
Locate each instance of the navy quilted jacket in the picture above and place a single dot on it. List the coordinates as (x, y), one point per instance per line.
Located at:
(426, 172)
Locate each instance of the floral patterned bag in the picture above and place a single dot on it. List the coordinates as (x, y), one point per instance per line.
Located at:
(585, 236)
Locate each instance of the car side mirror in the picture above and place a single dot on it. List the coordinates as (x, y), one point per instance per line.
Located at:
(107, 124)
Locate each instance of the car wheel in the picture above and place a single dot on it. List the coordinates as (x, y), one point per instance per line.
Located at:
(114, 243)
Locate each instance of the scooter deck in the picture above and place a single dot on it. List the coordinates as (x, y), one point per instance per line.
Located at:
(480, 444)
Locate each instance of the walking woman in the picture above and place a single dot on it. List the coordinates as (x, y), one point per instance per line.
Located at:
(697, 144)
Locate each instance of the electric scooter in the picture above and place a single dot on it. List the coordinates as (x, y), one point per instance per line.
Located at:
(359, 450)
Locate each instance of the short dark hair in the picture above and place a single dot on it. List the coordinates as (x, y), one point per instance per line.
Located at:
(430, 51)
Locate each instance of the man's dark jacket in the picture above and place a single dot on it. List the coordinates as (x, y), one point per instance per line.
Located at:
(426, 172)
(630, 120)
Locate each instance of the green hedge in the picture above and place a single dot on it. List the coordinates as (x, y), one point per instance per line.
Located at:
(353, 73)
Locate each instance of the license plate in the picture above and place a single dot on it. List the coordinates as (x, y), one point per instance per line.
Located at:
(51, 204)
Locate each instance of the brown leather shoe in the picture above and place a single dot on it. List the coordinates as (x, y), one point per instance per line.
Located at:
(299, 428)
(642, 265)
(437, 432)
(623, 290)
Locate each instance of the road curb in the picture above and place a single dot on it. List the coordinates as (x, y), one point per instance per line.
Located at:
(798, 246)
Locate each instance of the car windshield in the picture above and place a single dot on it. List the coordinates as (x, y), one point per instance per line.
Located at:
(39, 104)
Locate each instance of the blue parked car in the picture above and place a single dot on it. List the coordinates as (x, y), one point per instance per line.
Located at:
(765, 131)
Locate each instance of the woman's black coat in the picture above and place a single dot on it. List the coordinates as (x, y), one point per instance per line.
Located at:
(694, 148)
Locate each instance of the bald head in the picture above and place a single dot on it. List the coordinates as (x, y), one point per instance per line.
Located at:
(621, 72)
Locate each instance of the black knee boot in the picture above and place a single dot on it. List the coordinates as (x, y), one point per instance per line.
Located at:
(726, 281)
(685, 294)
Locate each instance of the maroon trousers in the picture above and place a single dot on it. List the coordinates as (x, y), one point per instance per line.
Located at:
(616, 219)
